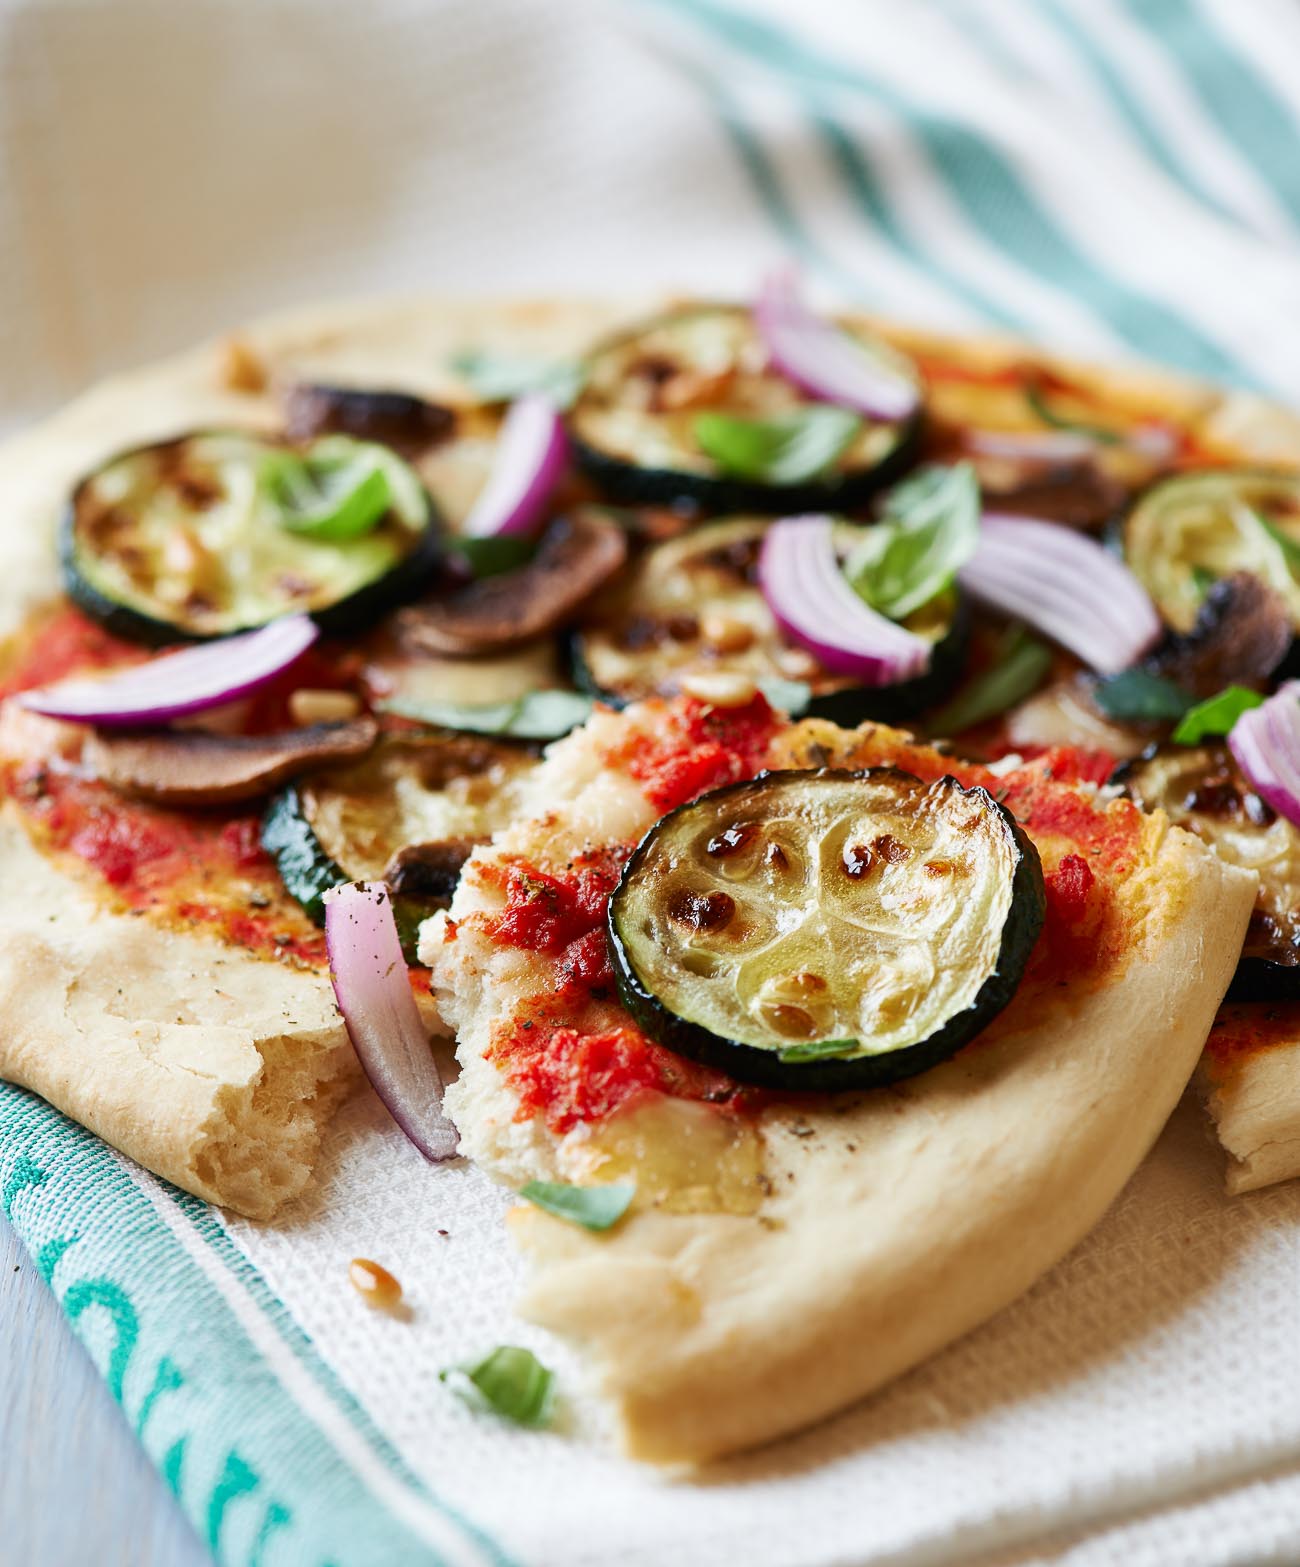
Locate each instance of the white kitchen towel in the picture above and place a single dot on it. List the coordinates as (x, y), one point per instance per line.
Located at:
(1113, 177)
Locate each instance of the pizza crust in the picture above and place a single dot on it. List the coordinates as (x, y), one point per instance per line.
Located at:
(167, 1118)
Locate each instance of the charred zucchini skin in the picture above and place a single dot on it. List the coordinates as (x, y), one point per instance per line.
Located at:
(404, 582)
(625, 484)
(764, 1068)
(308, 872)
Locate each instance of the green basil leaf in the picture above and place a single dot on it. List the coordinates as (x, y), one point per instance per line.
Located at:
(818, 1050)
(785, 449)
(1204, 579)
(340, 489)
(1290, 547)
(509, 1381)
(1034, 397)
(538, 715)
(791, 696)
(499, 378)
(1021, 666)
(593, 1207)
(929, 530)
(1216, 715)
(1136, 696)
(488, 556)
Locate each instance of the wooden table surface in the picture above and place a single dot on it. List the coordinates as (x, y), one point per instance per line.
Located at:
(75, 1487)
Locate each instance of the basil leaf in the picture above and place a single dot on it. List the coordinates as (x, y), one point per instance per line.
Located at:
(593, 1207)
(488, 556)
(791, 696)
(1290, 547)
(509, 1381)
(499, 378)
(1021, 666)
(1216, 715)
(1136, 696)
(1034, 397)
(1203, 579)
(340, 489)
(538, 715)
(929, 530)
(818, 1050)
(785, 449)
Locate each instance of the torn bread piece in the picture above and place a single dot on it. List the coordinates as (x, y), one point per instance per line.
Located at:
(786, 1255)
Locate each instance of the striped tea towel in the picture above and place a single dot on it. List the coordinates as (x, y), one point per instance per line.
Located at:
(1116, 178)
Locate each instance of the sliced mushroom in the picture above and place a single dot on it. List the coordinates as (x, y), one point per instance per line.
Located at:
(428, 871)
(408, 424)
(1078, 494)
(196, 768)
(1241, 635)
(576, 555)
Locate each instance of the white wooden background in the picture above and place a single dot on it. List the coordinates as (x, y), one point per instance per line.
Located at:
(75, 1488)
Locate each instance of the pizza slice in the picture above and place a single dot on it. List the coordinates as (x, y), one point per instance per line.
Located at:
(874, 1035)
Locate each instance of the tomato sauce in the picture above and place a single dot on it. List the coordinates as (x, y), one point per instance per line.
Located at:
(696, 748)
(186, 869)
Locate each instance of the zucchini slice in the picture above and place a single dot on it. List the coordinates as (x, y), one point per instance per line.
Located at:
(217, 532)
(826, 930)
(1202, 789)
(633, 426)
(409, 814)
(692, 605)
(1184, 533)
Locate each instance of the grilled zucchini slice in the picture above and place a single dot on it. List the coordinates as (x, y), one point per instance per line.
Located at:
(409, 814)
(633, 425)
(826, 930)
(220, 531)
(1186, 532)
(692, 605)
(1202, 789)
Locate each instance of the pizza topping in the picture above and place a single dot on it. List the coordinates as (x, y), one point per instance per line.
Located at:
(1266, 744)
(1020, 664)
(530, 457)
(200, 769)
(815, 606)
(500, 378)
(1241, 635)
(222, 531)
(408, 814)
(193, 680)
(690, 408)
(576, 555)
(1187, 531)
(595, 1208)
(827, 363)
(1203, 789)
(691, 610)
(1064, 585)
(893, 924)
(537, 715)
(406, 423)
(373, 991)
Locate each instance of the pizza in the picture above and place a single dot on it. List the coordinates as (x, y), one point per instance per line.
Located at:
(824, 778)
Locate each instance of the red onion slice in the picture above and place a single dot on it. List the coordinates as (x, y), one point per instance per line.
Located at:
(1065, 585)
(810, 598)
(373, 990)
(1266, 744)
(530, 457)
(176, 684)
(826, 362)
